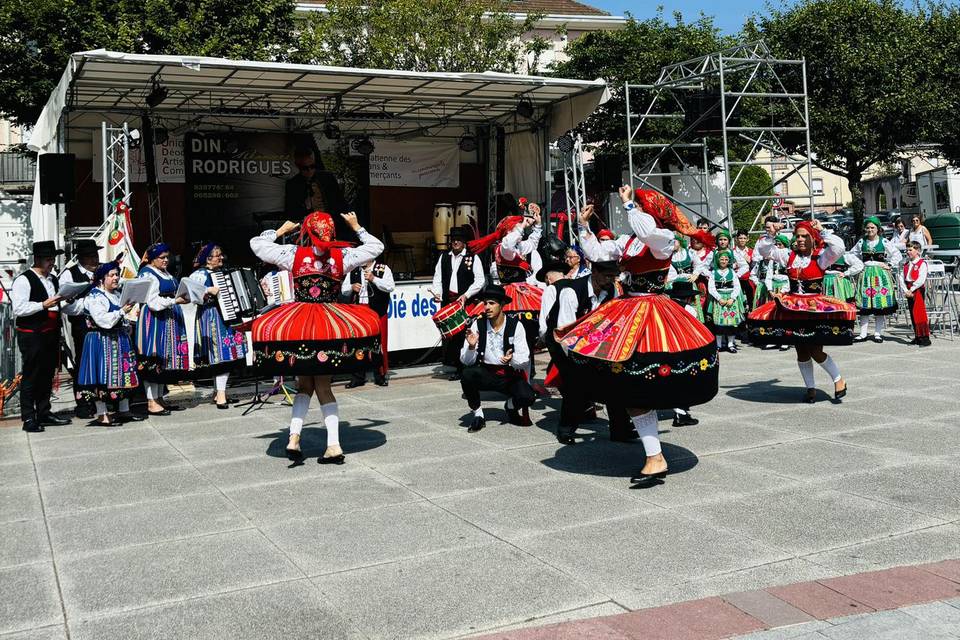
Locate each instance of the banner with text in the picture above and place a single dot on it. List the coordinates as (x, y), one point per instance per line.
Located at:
(415, 164)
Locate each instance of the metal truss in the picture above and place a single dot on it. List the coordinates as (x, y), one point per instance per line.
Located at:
(745, 83)
(491, 140)
(574, 187)
(116, 167)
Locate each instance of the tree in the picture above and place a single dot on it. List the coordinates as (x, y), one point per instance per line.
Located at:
(439, 35)
(943, 25)
(39, 35)
(754, 181)
(870, 88)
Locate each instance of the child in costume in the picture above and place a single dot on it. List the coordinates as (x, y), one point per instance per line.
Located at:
(913, 280)
(726, 307)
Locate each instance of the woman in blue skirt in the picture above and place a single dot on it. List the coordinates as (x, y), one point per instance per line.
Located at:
(217, 348)
(161, 333)
(108, 369)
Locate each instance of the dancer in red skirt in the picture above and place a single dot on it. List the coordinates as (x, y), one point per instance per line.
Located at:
(805, 317)
(644, 350)
(315, 336)
(913, 280)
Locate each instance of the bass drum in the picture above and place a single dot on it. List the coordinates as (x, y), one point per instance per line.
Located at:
(466, 214)
(442, 223)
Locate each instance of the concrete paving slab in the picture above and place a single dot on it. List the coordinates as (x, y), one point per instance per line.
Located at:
(14, 450)
(803, 521)
(813, 459)
(164, 572)
(376, 536)
(424, 448)
(936, 616)
(19, 503)
(926, 545)
(883, 625)
(931, 488)
(98, 530)
(827, 419)
(96, 440)
(28, 598)
(721, 436)
(291, 610)
(803, 631)
(92, 465)
(128, 488)
(343, 491)
(486, 586)
(23, 542)
(56, 632)
(587, 614)
(18, 474)
(915, 437)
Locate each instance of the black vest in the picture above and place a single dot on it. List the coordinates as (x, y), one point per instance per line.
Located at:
(580, 287)
(464, 274)
(38, 293)
(509, 333)
(377, 300)
(79, 321)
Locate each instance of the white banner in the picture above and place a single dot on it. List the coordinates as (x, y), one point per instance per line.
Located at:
(410, 317)
(167, 156)
(415, 164)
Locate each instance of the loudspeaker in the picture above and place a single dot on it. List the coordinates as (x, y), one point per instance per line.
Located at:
(696, 104)
(607, 173)
(57, 184)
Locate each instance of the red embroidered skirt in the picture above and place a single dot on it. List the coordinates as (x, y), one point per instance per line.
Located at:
(316, 338)
(525, 300)
(646, 351)
(802, 318)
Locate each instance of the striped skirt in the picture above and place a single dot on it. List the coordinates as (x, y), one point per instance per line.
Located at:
(108, 369)
(217, 347)
(876, 293)
(162, 348)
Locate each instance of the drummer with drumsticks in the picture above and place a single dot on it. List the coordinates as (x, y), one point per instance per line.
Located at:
(457, 277)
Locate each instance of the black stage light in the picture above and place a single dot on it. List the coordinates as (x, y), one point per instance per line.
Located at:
(525, 108)
(468, 143)
(363, 145)
(157, 96)
(160, 136)
(565, 143)
(331, 131)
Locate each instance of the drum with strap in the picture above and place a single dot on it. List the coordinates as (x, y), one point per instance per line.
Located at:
(453, 318)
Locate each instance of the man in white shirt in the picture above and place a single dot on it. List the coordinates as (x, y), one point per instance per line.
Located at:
(88, 259)
(371, 284)
(36, 309)
(458, 276)
(495, 358)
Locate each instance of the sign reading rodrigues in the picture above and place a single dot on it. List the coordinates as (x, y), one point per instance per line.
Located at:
(415, 164)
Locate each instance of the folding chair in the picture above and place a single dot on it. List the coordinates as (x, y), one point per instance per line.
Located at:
(941, 305)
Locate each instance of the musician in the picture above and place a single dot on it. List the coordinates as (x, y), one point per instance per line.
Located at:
(371, 284)
(36, 309)
(217, 348)
(496, 358)
(457, 277)
(88, 259)
(162, 348)
(314, 189)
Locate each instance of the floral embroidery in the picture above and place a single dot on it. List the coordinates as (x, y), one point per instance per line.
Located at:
(616, 367)
(278, 356)
(704, 364)
(314, 292)
(870, 291)
(322, 357)
(183, 347)
(664, 370)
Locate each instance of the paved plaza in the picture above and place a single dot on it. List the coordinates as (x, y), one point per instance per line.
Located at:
(197, 526)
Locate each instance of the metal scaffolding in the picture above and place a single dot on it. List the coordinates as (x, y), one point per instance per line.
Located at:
(574, 187)
(115, 156)
(743, 97)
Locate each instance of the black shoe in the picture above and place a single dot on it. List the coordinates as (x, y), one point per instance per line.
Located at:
(340, 459)
(174, 407)
(32, 426)
(589, 414)
(684, 420)
(127, 416)
(380, 382)
(860, 339)
(519, 417)
(225, 405)
(648, 479)
(924, 343)
(84, 412)
(477, 424)
(162, 412)
(784, 347)
(353, 384)
(628, 436)
(877, 339)
(454, 377)
(839, 394)
(565, 435)
(915, 341)
(97, 422)
(51, 420)
(732, 349)
(810, 396)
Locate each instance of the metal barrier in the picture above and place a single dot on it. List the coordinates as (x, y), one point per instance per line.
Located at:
(10, 362)
(16, 168)
(942, 305)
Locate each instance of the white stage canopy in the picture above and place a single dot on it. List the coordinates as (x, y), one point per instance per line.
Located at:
(245, 95)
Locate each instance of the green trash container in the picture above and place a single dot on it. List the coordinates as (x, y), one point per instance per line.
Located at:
(945, 230)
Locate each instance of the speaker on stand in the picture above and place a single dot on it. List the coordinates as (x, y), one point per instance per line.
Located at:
(57, 184)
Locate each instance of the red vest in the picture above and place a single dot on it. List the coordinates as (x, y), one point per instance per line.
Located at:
(306, 262)
(517, 261)
(911, 272)
(810, 272)
(643, 262)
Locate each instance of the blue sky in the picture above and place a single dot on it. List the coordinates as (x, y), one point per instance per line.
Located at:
(729, 14)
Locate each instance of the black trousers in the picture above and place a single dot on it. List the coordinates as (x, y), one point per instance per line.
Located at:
(479, 378)
(451, 350)
(574, 388)
(78, 331)
(41, 356)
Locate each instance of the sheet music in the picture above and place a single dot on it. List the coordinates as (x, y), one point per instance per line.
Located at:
(191, 290)
(73, 290)
(134, 291)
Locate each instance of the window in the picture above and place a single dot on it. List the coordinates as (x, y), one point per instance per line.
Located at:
(942, 195)
(817, 186)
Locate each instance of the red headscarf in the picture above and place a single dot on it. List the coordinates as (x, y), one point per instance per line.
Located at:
(668, 215)
(319, 227)
(606, 234)
(807, 226)
(503, 228)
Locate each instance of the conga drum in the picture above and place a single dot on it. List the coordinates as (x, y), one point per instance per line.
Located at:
(453, 318)
(466, 213)
(442, 223)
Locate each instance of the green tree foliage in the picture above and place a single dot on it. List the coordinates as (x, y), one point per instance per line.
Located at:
(872, 86)
(39, 35)
(416, 35)
(943, 63)
(753, 181)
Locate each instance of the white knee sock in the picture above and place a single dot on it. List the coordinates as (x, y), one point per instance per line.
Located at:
(220, 382)
(831, 368)
(864, 326)
(679, 411)
(301, 405)
(719, 342)
(879, 323)
(509, 403)
(124, 406)
(646, 426)
(101, 407)
(153, 390)
(331, 420)
(478, 412)
(806, 370)
(731, 341)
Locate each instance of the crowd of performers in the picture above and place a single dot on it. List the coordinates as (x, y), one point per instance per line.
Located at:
(635, 322)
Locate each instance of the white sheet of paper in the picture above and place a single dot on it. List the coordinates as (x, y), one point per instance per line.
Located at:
(135, 290)
(70, 290)
(191, 290)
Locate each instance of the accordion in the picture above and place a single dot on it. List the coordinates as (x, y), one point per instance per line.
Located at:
(278, 287)
(239, 295)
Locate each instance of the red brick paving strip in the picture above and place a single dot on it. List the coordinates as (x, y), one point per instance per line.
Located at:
(741, 613)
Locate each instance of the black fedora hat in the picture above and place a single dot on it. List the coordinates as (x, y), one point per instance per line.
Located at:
(494, 292)
(605, 266)
(46, 249)
(462, 233)
(683, 290)
(551, 265)
(85, 246)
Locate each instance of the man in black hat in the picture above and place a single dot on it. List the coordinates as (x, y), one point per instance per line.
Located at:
(88, 259)
(495, 358)
(35, 307)
(565, 301)
(457, 276)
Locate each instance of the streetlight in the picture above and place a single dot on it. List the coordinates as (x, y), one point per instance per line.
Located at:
(836, 202)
